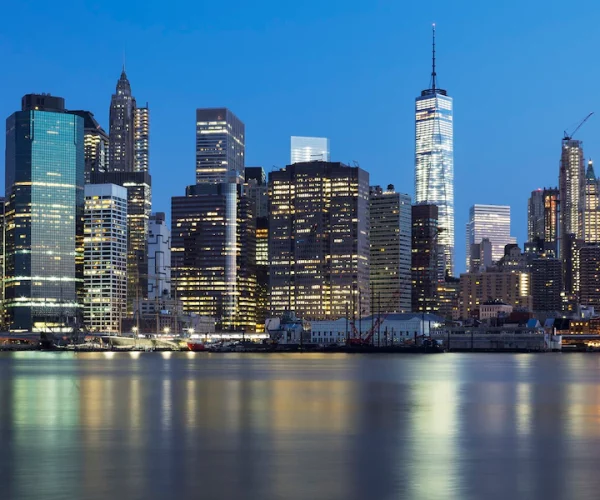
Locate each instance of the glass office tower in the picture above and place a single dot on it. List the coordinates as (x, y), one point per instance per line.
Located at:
(434, 162)
(303, 149)
(44, 213)
(490, 222)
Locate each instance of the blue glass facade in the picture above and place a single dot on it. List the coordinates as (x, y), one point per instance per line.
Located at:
(44, 214)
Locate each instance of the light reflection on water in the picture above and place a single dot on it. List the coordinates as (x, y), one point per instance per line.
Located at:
(92, 425)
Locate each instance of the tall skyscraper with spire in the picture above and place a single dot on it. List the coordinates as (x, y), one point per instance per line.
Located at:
(434, 162)
(121, 156)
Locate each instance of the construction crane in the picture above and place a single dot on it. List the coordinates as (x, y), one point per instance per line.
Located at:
(360, 341)
(568, 136)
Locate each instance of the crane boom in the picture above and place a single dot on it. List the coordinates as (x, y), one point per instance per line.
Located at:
(568, 136)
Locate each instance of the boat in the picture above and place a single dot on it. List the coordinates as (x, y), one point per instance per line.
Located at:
(196, 345)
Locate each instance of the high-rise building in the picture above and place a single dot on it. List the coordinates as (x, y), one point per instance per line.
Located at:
(139, 208)
(305, 149)
(95, 145)
(481, 256)
(159, 257)
(2, 261)
(535, 216)
(434, 161)
(551, 221)
(105, 257)
(122, 128)
(213, 254)
(510, 287)
(590, 275)
(220, 150)
(491, 222)
(257, 189)
(448, 292)
(319, 241)
(571, 186)
(591, 207)
(546, 284)
(141, 138)
(44, 215)
(390, 235)
(424, 262)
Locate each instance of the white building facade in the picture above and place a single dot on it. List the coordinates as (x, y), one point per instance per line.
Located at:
(305, 149)
(105, 257)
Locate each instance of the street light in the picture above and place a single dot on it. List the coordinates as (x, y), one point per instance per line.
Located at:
(167, 330)
(191, 331)
(134, 330)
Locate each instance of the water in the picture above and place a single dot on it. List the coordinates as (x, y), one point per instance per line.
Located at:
(311, 426)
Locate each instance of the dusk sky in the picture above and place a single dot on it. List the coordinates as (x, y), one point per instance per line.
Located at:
(520, 74)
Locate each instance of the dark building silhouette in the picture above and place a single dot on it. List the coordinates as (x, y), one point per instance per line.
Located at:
(424, 258)
(546, 284)
(95, 145)
(590, 275)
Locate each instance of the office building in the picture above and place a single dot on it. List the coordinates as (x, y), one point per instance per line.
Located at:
(552, 221)
(141, 139)
(105, 257)
(96, 142)
(510, 287)
(121, 127)
(2, 263)
(481, 256)
(571, 187)
(220, 150)
(447, 295)
(591, 207)
(424, 262)
(434, 161)
(139, 208)
(159, 257)
(305, 149)
(44, 214)
(319, 241)
(589, 291)
(535, 216)
(257, 189)
(491, 222)
(390, 237)
(546, 284)
(213, 254)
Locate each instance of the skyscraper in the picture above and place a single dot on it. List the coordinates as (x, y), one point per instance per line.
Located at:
(491, 222)
(159, 257)
(424, 261)
(122, 127)
(590, 275)
(220, 149)
(390, 239)
(535, 216)
(95, 145)
(105, 257)
(551, 221)
(305, 149)
(571, 186)
(44, 215)
(546, 284)
(319, 241)
(141, 138)
(591, 207)
(434, 160)
(213, 255)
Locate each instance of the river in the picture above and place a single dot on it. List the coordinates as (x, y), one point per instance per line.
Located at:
(299, 426)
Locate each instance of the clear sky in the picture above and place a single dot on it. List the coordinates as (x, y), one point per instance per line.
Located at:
(520, 73)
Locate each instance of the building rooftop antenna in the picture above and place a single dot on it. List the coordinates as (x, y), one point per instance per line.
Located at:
(433, 74)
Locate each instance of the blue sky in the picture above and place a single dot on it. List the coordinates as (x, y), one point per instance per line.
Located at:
(519, 72)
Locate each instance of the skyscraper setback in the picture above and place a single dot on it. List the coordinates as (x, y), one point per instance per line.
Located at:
(491, 222)
(434, 161)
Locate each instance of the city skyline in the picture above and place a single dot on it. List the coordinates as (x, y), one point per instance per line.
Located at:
(273, 113)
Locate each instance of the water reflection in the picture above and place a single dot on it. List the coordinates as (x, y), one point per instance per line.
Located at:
(237, 426)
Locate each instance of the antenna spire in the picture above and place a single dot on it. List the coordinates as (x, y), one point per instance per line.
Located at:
(433, 74)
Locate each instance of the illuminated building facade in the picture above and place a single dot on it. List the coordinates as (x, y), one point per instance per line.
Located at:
(424, 261)
(434, 162)
(491, 222)
(448, 298)
(44, 212)
(552, 221)
(213, 254)
(141, 139)
(591, 207)
(571, 186)
(105, 257)
(220, 149)
(139, 208)
(319, 241)
(305, 149)
(95, 141)
(535, 216)
(121, 128)
(510, 287)
(390, 239)
(159, 257)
